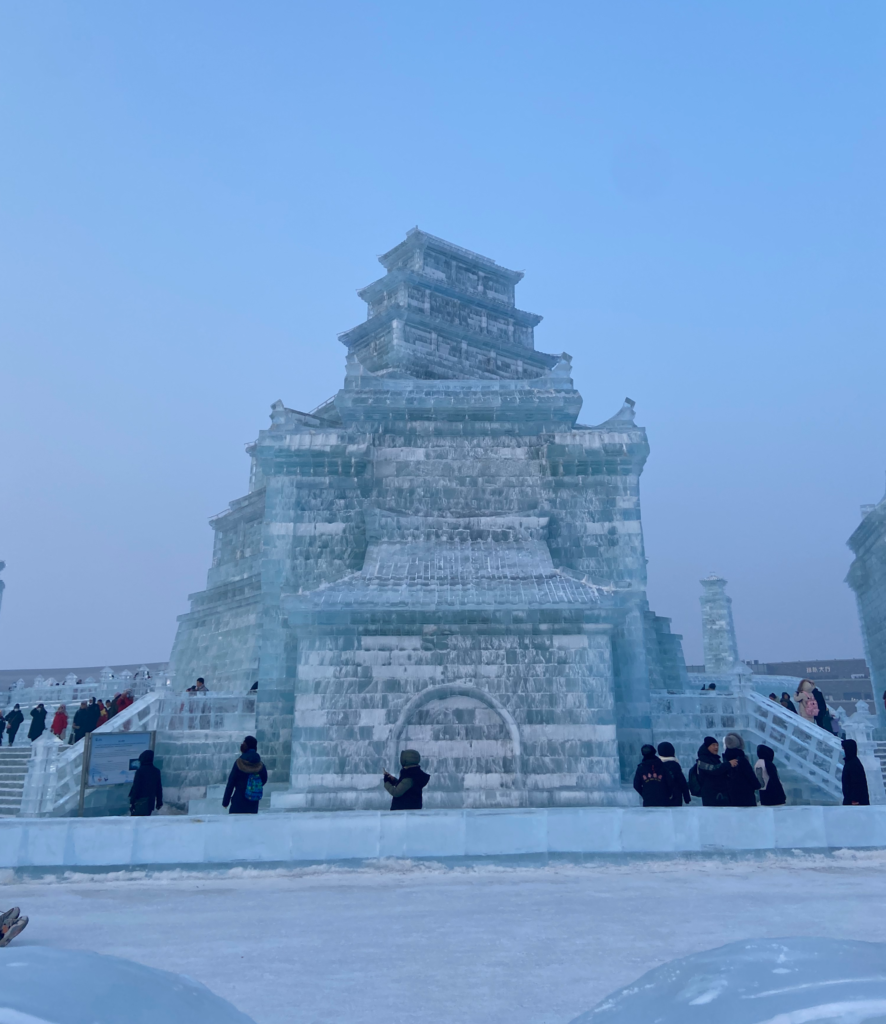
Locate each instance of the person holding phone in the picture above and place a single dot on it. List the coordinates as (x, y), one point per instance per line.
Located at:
(406, 791)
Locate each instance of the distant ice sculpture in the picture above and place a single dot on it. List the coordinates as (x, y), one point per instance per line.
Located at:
(758, 981)
(65, 986)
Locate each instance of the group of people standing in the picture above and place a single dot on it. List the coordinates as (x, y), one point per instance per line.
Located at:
(729, 780)
(809, 703)
(90, 716)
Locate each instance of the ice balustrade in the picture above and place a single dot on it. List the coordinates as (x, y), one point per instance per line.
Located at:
(52, 785)
(71, 694)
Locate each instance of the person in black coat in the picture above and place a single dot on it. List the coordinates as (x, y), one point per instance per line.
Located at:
(741, 781)
(13, 720)
(711, 774)
(406, 791)
(38, 722)
(650, 780)
(147, 787)
(771, 790)
(787, 703)
(81, 721)
(247, 766)
(855, 782)
(678, 788)
(93, 714)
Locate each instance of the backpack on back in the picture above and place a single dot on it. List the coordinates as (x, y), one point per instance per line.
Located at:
(693, 782)
(254, 787)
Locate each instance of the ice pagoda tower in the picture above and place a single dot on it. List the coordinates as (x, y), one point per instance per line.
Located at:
(439, 557)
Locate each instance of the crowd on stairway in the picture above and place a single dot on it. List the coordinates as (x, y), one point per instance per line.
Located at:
(91, 715)
(730, 780)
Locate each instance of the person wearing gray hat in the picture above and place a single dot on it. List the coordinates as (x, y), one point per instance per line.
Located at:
(406, 791)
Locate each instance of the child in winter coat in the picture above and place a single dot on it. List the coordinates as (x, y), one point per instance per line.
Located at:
(676, 780)
(650, 779)
(771, 790)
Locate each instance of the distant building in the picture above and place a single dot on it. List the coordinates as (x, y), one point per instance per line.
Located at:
(867, 577)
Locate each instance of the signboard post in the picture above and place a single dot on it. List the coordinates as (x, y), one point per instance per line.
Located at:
(110, 759)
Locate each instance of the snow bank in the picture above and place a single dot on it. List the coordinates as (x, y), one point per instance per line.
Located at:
(59, 986)
(760, 981)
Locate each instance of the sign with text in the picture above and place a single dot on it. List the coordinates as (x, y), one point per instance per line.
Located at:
(114, 757)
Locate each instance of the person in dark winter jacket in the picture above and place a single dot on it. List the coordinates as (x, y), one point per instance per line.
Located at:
(650, 780)
(81, 720)
(247, 780)
(676, 780)
(93, 714)
(711, 774)
(741, 782)
(13, 720)
(771, 790)
(406, 791)
(38, 722)
(855, 782)
(786, 702)
(147, 787)
(823, 718)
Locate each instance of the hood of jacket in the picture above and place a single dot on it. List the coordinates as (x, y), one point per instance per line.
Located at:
(850, 748)
(705, 755)
(765, 753)
(146, 757)
(249, 762)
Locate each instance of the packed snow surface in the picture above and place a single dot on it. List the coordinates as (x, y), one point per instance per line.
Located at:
(40, 985)
(418, 943)
(777, 981)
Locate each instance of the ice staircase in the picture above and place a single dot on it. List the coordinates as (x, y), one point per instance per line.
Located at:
(13, 769)
(880, 754)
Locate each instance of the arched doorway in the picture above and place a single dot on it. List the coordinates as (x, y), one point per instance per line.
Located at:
(469, 744)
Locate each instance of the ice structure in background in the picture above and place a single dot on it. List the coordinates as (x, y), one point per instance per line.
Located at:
(758, 981)
(65, 986)
(439, 556)
(867, 578)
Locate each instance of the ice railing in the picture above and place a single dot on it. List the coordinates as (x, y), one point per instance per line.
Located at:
(52, 785)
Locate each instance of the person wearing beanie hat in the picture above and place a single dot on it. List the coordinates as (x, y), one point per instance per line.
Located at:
(741, 781)
(246, 781)
(771, 790)
(855, 782)
(677, 786)
(406, 791)
(711, 774)
(650, 780)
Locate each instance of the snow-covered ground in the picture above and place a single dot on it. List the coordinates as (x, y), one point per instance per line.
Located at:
(402, 943)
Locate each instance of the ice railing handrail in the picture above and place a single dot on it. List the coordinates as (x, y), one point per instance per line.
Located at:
(801, 744)
(52, 785)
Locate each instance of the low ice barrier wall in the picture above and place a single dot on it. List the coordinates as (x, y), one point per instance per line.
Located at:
(68, 843)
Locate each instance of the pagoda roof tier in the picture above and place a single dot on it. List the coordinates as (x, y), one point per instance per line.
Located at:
(490, 303)
(417, 241)
(436, 563)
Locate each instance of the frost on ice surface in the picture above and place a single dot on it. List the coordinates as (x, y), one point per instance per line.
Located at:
(758, 981)
(63, 986)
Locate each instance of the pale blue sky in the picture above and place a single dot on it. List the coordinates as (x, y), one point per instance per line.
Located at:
(191, 193)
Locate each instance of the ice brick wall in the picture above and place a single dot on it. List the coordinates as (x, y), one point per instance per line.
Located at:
(502, 717)
(867, 578)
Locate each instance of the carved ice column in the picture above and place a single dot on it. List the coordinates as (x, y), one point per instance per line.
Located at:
(720, 647)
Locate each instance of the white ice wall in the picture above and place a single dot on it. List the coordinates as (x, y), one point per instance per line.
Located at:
(35, 843)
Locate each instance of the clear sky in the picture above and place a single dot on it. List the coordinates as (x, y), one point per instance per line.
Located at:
(191, 193)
